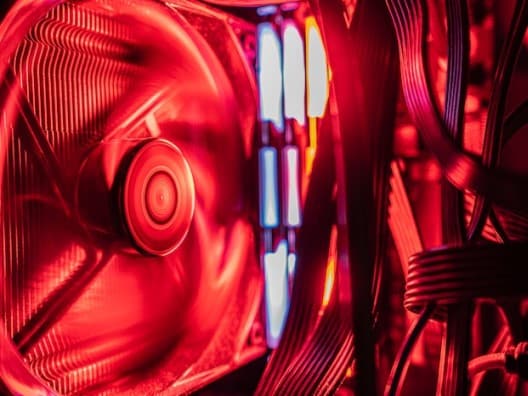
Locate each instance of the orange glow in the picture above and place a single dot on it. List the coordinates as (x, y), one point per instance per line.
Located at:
(330, 269)
(312, 146)
(316, 70)
(329, 282)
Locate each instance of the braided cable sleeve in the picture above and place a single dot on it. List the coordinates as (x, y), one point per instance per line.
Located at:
(486, 362)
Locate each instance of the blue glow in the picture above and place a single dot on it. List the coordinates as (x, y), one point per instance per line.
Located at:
(266, 10)
(292, 263)
(270, 75)
(294, 73)
(292, 213)
(269, 192)
(277, 292)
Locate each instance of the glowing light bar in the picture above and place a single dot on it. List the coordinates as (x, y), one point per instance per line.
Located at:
(331, 268)
(292, 197)
(277, 292)
(269, 192)
(294, 73)
(270, 75)
(312, 146)
(292, 263)
(329, 281)
(316, 69)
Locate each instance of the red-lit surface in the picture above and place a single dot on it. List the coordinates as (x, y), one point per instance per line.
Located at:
(129, 258)
(129, 154)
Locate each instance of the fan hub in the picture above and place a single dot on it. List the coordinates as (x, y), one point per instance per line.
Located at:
(158, 197)
(161, 197)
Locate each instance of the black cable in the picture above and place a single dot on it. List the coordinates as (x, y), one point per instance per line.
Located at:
(502, 235)
(493, 135)
(517, 119)
(322, 363)
(463, 170)
(316, 350)
(510, 225)
(453, 275)
(455, 348)
(394, 382)
(319, 214)
(453, 222)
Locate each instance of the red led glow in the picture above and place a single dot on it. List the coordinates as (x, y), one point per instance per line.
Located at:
(158, 197)
(183, 186)
(124, 206)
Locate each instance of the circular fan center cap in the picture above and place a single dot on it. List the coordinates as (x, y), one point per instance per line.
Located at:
(158, 197)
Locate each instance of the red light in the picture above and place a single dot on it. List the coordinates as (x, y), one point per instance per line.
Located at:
(160, 197)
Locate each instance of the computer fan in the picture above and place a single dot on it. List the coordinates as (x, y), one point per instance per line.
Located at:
(335, 189)
(129, 257)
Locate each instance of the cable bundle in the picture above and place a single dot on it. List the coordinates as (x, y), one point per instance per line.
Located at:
(459, 274)
(452, 277)
(463, 170)
(314, 242)
(316, 350)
